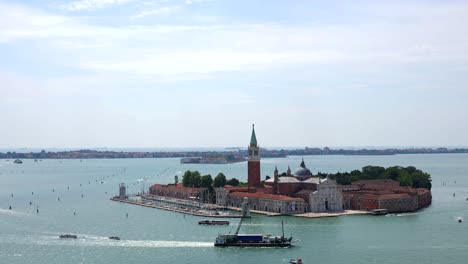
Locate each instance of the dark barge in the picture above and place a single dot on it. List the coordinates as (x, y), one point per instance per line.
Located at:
(213, 222)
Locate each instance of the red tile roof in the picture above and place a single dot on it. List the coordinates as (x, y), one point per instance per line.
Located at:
(379, 181)
(266, 196)
(179, 187)
(394, 196)
(382, 195)
(237, 189)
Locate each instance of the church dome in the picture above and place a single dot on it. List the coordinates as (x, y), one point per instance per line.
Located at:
(303, 170)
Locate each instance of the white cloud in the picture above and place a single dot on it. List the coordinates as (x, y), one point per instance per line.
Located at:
(204, 61)
(92, 4)
(192, 49)
(189, 2)
(157, 11)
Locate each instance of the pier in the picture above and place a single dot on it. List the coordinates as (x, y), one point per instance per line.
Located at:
(178, 208)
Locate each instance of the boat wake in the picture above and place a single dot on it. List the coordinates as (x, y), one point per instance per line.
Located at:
(100, 241)
(12, 212)
(402, 214)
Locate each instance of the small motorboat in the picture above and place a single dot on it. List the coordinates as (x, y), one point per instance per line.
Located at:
(459, 219)
(296, 261)
(114, 237)
(379, 212)
(68, 236)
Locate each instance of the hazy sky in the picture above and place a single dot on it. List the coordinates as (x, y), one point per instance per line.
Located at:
(198, 73)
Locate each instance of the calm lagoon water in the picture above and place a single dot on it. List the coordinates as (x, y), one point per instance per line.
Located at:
(155, 236)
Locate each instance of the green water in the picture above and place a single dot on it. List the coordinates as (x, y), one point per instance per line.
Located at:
(155, 236)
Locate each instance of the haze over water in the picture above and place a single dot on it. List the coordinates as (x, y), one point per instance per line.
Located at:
(151, 235)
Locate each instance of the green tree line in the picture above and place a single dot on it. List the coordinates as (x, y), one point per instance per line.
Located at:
(406, 176)
(195, 180)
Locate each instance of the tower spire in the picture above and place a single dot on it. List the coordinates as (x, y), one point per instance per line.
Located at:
(253, 138)
(254, 162)
(303, 163)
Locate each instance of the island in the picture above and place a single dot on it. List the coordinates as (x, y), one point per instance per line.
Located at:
(222, 156)
(394, 189)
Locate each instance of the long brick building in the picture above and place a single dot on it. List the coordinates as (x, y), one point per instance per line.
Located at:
(384, 194)
(177, 191)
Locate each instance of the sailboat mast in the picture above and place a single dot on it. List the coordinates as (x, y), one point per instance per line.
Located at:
(240, 222)
(282, 227)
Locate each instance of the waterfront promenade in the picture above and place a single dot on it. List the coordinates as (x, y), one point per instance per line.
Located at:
(255, 211)
(210, 210)
(182, 210)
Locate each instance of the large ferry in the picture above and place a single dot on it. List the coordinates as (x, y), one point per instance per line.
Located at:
(252, 240)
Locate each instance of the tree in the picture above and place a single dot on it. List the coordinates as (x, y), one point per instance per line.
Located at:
(187, 179)
(233, 182)
(392, 173)
(372, 172)
(219, 180)
(196, 179)
(421, 180)
(206, 181)
(176, 180)
(404, 178)
(411, 169)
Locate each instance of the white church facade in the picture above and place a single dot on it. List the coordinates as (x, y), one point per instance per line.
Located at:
(327, 197)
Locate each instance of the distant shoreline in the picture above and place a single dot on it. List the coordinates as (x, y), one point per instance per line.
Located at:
(229, 155)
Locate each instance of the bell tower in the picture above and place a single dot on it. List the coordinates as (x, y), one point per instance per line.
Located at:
(253, 162)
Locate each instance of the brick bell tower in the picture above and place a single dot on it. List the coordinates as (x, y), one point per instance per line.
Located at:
(254, 162)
